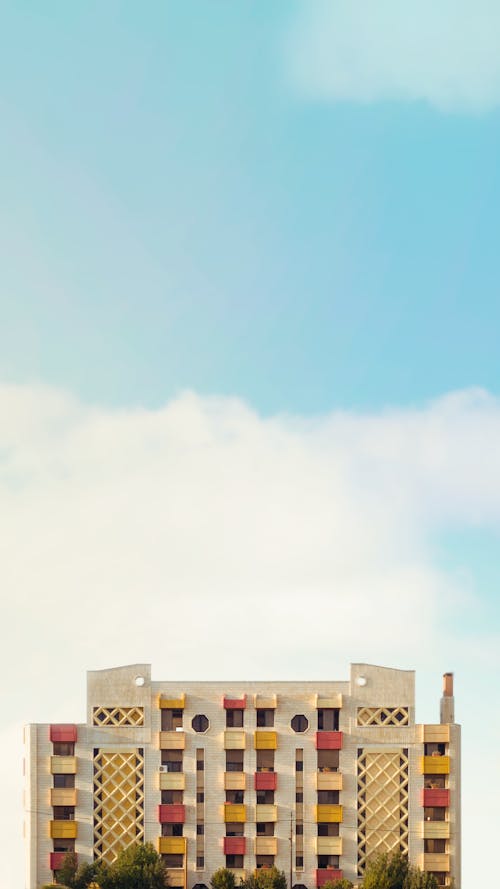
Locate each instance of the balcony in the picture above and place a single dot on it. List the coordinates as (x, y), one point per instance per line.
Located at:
(63, 765)
(265, 740)
(172, 813)
(235, 781)
(435, 734)
(235, 703)
(56, 860)
(63, 796)
(266, 845)
(63, 733)
(332, 702)
(327, 874)
(234, 739)
(436, 861)
(266, 812)
(435, 796)
(435, 765)
(176, 877)
(172, 741)
(234, 845)
(171, 845)
(172, 781)
(436, 830)
(265, 780)
(234, 812)
(172, 703)
(328, 845)
(328, 780)
(328, 740)
(63, 830)
(265, 702)
(328, 814)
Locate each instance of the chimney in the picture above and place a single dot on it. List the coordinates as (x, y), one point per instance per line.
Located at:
(447, 707)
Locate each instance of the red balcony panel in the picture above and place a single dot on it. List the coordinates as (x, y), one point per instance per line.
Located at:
(235, 845)
(175, 813)
(56, 860)
(435, 796)
(63, 733)
(326, 874)
(328, 740)
(235, 703)
(265, 780)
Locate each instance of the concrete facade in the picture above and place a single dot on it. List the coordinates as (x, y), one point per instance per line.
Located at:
(315, 796)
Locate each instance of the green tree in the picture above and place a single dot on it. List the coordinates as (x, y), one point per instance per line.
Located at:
(420, 879)
(386, 871)
(223, 879)
(67, 873)
(343, 883)
(137, 867)
(266, 878)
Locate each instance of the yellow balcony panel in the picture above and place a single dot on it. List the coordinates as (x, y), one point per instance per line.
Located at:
(235, 781)
(330, 702)
(435, 765)
(266, 740)
(175, 876)
(171, 845)
(437, 734)
(165, 703)
(63, 796)
(265, 702)
(63, 830)
(172, 781)
(266, 846)
(436, 830)
(234, 740)
(266, 812)
(436, 861)
(328, 780)
(172, 740)
(235, 812)
(328, 845)
(329, 814)
(63, 765)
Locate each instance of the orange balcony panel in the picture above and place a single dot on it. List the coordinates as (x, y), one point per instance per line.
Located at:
(173, 813)
(63, 830)
(56, 860)
(435, 796)
(329, 814)
(235, 845)
(234, 812)
(235, 703)
(265, 740)
(265, 780)
(328, 740)
(435, 765)
(326, 874)
(171, 845)
(67, 733)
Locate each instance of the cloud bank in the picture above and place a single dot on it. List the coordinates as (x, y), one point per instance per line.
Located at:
(214, 542)
(445, 53)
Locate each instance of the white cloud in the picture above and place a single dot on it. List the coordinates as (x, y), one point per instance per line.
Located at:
(444, 52)
(134, 535)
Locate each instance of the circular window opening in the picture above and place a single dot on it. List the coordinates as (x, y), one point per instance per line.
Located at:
(200, 723)
(300, 723)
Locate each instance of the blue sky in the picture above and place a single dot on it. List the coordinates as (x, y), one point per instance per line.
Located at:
(249, 310)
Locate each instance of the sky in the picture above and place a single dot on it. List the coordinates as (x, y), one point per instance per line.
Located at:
(249, 314)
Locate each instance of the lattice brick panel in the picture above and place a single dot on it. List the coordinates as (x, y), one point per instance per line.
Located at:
(382, 803)
(118, 716)
(383, 716)
(118, 801)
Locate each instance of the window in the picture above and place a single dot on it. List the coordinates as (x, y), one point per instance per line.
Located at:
(234, 796)
(64, 780)
(434, 813)
(64, 845)
(299, 862)
(235, 829)
(234, 760)
(434, 782)
(200, 723)
(172, 760)
(299, 797)
(172, 830)
(234, 718)
(200, 829)
(264, 861)
(328, 861)
(171, 720)
(300, 723)
(328, 797)
(265, 761)
(328, 830)
(265, 718)
(434, 845)
(171, 797)
(64, 813)
(299, 830)
(265, 797)
(265, 828)
(200, 864)
(234, 860)
(433, 749)
(63, 748)
(200, 797)
(328, 760)
(328, 719)
(173, 860)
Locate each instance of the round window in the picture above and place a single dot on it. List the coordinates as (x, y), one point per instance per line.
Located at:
(300, 723)
(200, 723)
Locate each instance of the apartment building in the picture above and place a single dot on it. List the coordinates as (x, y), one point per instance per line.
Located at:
(313, 777)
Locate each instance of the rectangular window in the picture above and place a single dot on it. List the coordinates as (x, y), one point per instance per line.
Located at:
(200, 829)
(234, 760)
(265, 760)
(172, 830)
(235, 829)
(64, 780)
(264, 861)
(172, 760)
(299, 797)
(63, 748)
(171, 797)
(328, 797)
(299, 829)
(234, 861)
(434, 813)
(64, 813)
(234, 718)
(328, 861)
(265, 718)
(171, 720)
(265, 828)
(200, 797)
(299, 862)
(328, 830)
(234, 796)
(174, 861)
(435, 846)
(265, 797)
(328, 720)
(328, 760)
(200, 862)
